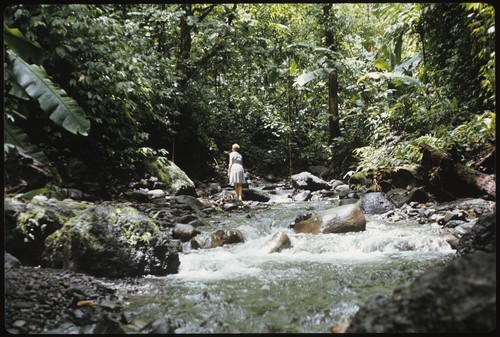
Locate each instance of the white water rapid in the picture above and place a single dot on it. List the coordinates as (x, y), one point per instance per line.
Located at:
(317, 283)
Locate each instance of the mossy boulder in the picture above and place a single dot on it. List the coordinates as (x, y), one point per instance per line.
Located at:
(176, 180)
(28, 224)
(112, 241)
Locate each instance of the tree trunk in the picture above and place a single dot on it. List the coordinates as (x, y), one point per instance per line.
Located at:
(289, 113)
(185, 41)
(333, 97)
(450, 179)
(333, 106)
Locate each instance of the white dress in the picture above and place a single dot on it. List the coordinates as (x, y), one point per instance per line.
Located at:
(237, 173)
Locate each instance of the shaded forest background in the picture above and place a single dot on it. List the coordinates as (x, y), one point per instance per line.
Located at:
(348, 86)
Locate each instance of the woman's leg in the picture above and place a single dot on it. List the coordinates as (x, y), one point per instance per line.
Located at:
(238, 189)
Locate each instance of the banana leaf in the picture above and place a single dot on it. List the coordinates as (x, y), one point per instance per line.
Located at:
(30, 51)
(63, 110)
(17, 137)
(307, 77)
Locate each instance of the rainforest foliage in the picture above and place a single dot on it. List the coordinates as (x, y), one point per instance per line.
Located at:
(349, 86)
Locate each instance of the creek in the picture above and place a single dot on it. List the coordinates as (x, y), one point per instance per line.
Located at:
(320, 282)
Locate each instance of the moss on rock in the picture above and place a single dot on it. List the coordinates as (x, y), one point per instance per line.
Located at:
(176, 180)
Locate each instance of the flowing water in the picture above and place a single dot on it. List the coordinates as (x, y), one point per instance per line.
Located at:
(318, 283)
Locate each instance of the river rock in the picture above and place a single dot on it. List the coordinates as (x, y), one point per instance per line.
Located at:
(184, 232)
(230, 236)
(190, 201)
(302, 196)
(10, 261)
(375, 203)
(348, 201)
(471, 205)
(278, 242)
(254, 195)
(482, 236)
(308, 181)
(459, 298)
(217, 239)
(137, 195)
(156, 193)
(341, 219)
(358, 179)
(400, 196)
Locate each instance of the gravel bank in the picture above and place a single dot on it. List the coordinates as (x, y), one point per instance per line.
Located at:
(44, 300)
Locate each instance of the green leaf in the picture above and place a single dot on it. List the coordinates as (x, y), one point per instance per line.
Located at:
(16, 136)
(407, 80)
(63, 110)
(281, 26)
(307, 77)
(372, 75)
(293, 67)
(48, 191)
(26, 49)
(382, 64)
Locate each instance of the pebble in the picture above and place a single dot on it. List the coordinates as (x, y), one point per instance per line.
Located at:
(38, 300)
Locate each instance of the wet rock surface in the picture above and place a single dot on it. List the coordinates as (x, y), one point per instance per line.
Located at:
(459, 297)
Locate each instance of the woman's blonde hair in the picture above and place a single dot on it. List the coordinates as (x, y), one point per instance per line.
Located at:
(235, 147)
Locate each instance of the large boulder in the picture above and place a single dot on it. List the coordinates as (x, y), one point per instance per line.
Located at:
(308, 181)
(457, 298)
(177, 182)
(482, 236)
(341, 219)
(28, 224)
(112, 241)
(375, 203)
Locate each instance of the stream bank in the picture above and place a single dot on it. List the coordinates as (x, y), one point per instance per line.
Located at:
(55, 309)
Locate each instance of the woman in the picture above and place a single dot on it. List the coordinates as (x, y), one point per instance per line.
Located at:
(235, 171)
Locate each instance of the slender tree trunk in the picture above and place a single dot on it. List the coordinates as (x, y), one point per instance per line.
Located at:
(333, 97)
(289, 112)
(184, 46)
(333, 106)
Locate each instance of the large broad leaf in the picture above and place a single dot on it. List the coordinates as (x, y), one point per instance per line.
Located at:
(409, 64)
(14, 136)
(63, 109)
(406, 80)
(307, 77)
(382, 64)
(396, 77)
(26, 49)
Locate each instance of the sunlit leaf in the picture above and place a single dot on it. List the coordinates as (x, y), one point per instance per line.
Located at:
(307, 77)
(63, 110)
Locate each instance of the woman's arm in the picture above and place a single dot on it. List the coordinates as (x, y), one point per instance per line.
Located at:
(230, 164)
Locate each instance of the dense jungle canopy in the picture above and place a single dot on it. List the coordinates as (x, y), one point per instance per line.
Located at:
(351, 86)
